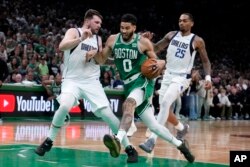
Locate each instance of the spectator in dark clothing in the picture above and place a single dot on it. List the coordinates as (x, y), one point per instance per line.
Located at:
(156, 94)
(53, 68)
(216, 109)
(118, 83)
(4, 23)
(106, 79)
(245, 94)
(234, 98)
(4, 73)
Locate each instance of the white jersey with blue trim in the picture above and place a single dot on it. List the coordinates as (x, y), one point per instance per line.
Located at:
(180, 54)
(75, 65)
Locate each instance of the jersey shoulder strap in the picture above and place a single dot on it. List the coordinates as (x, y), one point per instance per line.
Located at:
(79, 33)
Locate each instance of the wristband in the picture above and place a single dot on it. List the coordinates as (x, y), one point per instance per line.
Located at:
(208, 78)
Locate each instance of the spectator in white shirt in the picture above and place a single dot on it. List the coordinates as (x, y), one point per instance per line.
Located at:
(226, 105)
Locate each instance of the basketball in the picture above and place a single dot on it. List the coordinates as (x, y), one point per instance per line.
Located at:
(150, 69)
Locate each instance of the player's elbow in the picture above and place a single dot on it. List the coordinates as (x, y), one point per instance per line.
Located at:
(62, 47)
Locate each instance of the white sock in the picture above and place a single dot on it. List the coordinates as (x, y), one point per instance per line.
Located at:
(176, 142)
(67, 102)
(53, 132)
(179, 126)
(121, 133)
(133, 124)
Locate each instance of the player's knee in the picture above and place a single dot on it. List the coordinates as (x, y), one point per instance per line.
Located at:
(103, 111)
(165, 104)
(63, 107)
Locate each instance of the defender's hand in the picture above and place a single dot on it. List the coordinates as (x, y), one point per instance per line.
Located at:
(90, 54)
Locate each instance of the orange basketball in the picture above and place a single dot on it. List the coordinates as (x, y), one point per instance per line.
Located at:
(149, 68)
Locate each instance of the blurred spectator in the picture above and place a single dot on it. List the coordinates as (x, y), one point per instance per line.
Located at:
(246, 100)
(33, 64)
(4, 72)
(106, 79)
(10, 45)
(40, 48)
(16, 55)
(18, 78)
(226, 112)
(235, 100)
(53, 89)
(13, 66)
(155, 99)
(216, 106)
(203, 99)
(43, 68)
(192, 98)
(118, 83)
(22, 69)
(30, 79)
(28, 50)
(3, 52)
(53, 67)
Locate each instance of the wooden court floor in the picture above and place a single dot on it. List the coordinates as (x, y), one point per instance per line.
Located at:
(79, 144)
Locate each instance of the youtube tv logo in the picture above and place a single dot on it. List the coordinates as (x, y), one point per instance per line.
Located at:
(7, 103)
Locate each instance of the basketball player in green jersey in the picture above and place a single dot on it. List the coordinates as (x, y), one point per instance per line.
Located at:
(130, 50)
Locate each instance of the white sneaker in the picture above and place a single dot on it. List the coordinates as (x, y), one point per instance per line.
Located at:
(131, 131)
(211, 117)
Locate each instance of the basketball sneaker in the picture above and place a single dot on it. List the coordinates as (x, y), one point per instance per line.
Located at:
(113, 144)
(44, 147)
(132, 154)
(186, 152)
(148, 145)
(181, 133)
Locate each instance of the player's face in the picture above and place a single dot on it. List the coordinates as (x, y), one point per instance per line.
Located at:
(95, 24)
(127, 30)
(185, 24)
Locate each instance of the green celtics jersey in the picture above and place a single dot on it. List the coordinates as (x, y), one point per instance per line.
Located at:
(127, 56)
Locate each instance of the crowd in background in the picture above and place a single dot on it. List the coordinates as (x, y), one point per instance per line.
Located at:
(30, 32)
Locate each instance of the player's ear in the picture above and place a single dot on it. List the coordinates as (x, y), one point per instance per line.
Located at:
(192, 24)
(134, 28)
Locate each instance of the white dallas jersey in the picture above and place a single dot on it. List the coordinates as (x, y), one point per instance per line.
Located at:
(180, 54)
(75, 65)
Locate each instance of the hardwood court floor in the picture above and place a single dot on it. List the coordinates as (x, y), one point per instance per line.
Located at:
(80, 144)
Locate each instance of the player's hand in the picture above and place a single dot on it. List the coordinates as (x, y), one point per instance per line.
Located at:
(90, 54)
(161, 64)
(148, 35)
(86, 34)
(208, 85)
